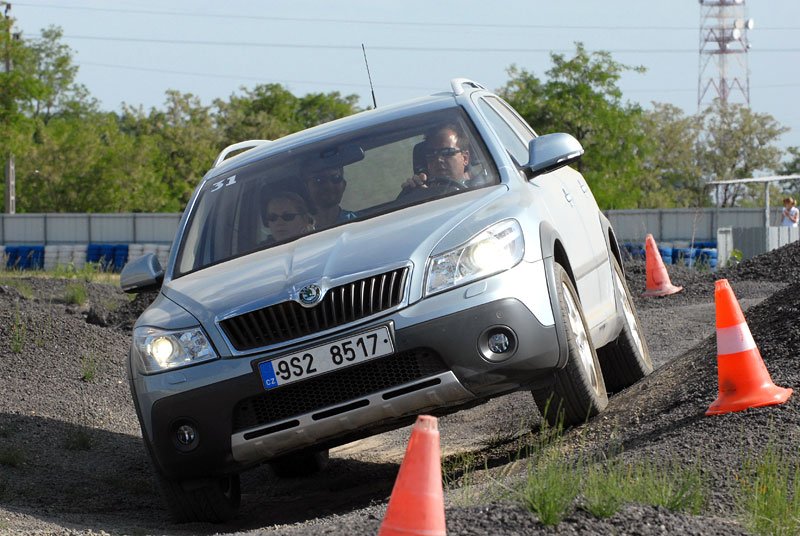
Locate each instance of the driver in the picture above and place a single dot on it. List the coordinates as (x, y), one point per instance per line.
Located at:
(446, 157)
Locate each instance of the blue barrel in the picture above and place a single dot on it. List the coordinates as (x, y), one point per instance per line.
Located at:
(684, 256)
(36, 258)
(708, 256)
(666, 254)
(93, 253)
(12, 257)
(120, 256)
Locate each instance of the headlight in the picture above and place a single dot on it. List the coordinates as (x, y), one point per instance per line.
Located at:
(161, 350)
(494, 250)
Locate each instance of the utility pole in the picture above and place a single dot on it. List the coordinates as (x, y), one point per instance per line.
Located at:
(11, 195)
(723, 37)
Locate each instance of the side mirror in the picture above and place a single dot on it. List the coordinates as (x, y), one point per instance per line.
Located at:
(552, 151)
(142, 274)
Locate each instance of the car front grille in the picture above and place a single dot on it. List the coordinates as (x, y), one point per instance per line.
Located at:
(340, 305)
(336, 387)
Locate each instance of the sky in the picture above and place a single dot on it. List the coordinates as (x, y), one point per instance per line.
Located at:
(134, 51)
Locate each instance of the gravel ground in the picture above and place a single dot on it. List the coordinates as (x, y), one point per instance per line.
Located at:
(71, 459)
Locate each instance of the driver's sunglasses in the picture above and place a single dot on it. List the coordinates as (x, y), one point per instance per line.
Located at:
(446, 152)
(333, 179)
(286, 216)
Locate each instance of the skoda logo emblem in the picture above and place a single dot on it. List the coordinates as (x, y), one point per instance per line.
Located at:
(309, 295)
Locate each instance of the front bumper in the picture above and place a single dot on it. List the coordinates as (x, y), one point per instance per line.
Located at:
(439, 364)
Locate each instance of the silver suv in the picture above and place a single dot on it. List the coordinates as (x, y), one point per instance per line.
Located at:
(337, 282)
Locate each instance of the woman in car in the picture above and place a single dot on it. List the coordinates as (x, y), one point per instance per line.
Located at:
(287, 216)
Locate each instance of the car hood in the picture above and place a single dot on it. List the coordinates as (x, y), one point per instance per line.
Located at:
(333, 257)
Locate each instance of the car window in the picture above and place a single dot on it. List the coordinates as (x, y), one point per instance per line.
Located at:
(358, 175)
(514, 138)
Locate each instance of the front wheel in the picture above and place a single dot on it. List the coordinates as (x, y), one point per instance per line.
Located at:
(626, 359)
(578, 392)
(214, 499)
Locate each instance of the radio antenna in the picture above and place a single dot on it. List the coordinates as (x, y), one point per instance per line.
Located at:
(371, 87)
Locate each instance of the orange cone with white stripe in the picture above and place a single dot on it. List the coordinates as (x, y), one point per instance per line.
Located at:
(417, 502)
(658, 283)
(743, 378)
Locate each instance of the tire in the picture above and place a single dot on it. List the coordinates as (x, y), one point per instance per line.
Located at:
(578, 392)
(626, 359)
(213, 500)
(300, 464)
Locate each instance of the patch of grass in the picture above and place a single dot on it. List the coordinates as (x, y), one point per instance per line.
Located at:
(78, 439)
(549, 491)
(18, 332)
(605, 489)
(769, 493)
(672, 485)
(88, 368)
(22, 286)
(76, 294)
(458, 473)
(12, 457)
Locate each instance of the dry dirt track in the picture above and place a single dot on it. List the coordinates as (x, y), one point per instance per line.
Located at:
(71, 459)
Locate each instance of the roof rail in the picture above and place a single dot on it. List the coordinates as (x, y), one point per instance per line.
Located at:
(249, 144)
(458, 85)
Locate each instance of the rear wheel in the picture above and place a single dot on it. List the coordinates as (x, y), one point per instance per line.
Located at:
(578, 391)
(303, 463)
(626, 359)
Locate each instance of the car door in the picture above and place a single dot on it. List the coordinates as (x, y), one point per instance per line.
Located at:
(571, 205)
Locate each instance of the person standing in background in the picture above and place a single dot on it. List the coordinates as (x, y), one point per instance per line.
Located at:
(791, 214)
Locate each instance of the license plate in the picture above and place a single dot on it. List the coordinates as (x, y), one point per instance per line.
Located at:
(326, 358)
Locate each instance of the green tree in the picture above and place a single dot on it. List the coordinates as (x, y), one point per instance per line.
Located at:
(581, 97)
(270, 111)
(736, 143)
(184, 137)
(671, 172)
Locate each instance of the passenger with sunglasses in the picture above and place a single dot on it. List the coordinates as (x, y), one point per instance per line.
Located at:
(446, 160)
(287, 216)
(325, 189)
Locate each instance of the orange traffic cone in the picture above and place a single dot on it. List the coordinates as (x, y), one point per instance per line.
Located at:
(743, 379)
(417, 502)
(658, 283)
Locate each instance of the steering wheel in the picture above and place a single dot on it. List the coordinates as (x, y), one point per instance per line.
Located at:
(446, 183)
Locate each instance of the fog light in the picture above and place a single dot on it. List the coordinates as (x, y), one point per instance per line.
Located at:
(499, 343)
(185, 437)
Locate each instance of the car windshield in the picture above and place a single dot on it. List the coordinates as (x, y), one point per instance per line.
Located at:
(333, 182)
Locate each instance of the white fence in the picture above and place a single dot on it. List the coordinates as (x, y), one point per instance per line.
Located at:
(630, 225)
(88, 228)
(685, 223)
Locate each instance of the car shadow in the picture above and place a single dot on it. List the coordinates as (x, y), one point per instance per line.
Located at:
(82, 477)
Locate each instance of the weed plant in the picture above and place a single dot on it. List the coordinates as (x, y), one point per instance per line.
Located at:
(12, 457)
(78, 439)
(20, 285)
(18, 331)
(769, 493)
(88, 368)
(76, 294)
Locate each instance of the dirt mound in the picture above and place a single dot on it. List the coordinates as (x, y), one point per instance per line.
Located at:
(698, 285)
(782, 264)
(663, 416)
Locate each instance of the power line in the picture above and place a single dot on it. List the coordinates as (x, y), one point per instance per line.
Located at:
(306, 20)
(249, 77)
(436, 49)
(357, 85)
